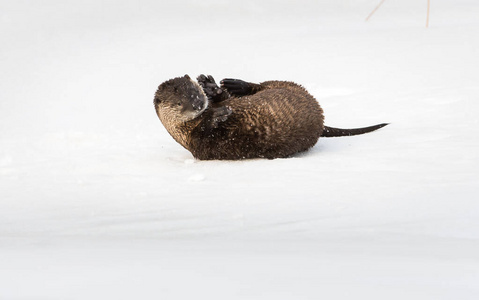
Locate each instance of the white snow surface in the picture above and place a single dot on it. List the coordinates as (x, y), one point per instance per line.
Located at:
(97, 201)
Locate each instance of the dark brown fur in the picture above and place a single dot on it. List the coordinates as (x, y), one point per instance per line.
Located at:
(274, 119)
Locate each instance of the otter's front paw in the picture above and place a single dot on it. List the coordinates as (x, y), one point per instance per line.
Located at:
(236, 86)
(209, 86)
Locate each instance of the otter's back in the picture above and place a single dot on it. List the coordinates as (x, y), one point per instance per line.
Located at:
(276, 120)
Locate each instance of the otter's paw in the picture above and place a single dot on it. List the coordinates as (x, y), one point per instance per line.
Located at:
(236, 86)
(209, 86)
(220, 114)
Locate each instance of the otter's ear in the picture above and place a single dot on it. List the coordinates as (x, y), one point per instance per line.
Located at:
(186, 76)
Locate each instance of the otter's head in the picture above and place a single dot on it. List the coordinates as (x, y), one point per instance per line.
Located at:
(180, 100)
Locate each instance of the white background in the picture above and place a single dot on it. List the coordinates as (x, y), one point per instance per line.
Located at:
(97, 201)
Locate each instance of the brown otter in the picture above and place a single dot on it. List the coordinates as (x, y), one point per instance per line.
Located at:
(239, 120)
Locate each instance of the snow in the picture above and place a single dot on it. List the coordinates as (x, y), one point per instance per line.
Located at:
(97, 201)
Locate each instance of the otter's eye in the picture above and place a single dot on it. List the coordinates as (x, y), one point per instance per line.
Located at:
(179, 103)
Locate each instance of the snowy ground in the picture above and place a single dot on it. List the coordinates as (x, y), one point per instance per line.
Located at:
(98, 202)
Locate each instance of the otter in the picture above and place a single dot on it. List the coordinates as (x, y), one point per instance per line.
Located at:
(243, 120)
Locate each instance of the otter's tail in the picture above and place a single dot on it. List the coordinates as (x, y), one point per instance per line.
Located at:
(332, 132)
